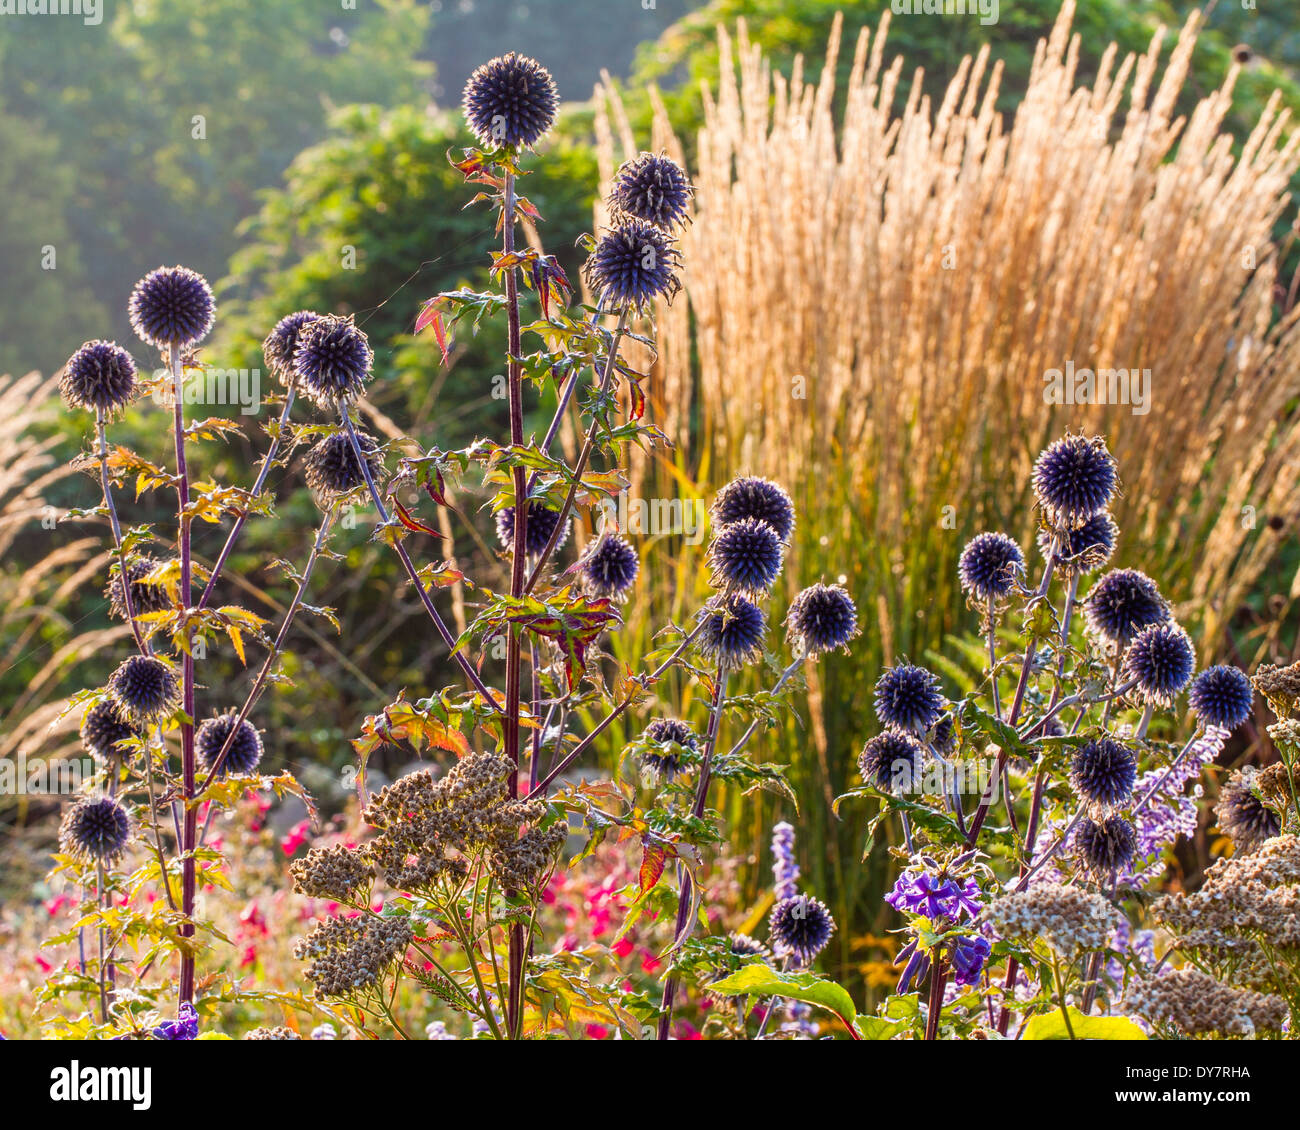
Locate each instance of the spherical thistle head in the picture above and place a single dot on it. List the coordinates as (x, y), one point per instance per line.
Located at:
(667, 762)
(1106, 846)
(652, 188)
(801, 927)
(145, 596)
(734, 628)
(510, 100)
(609, 567)
(95, 829)
(1103, 772)
(632, 265)
(1074, 478)
(1221, 696)
(541, 525)
(752, 497)
(989, 566)
(1084, 549)
(908, 698)
(103, 728)
(1242, 816)
(332, 360)
(245, 751)
(1121, 604)
(890, 760)
(100, 377)
(822, 618)
(145, 689)
(332, 468)
(743, 946)
(745, 557)
(282, 343)
(1161, 658)
(172, 306)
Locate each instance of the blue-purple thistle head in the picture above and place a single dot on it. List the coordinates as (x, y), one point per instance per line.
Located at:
(1084, 549)
(146, 595)
(145, 690)
(282, 343)
(1107, 846)
(1161, 658)
(609, 567)
(1103, 772)
(822, 618)
(510, 100)
(1074, 478)
(541, 524)
(172, 306)
(908, 698)
(632, 265)
(745, 557)
(245, 750)
(332, 360)
(1243, 817)
(99, 377)
(653, 188)
(669, 733)
(95, 829)
(1221, 696)
(753, 497)
(733, 631)
(800, 927)
(1121, 604)
(332, 468)
(990, 565)
(103, 730)
(890, 761)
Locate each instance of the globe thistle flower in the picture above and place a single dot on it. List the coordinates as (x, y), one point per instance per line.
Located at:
(967, 956)
(1106, 846)
(667, 762)
(890, 760)
(172, 306)
(1121, 604)
(99, 377)
(608, 568)
(95, 829)
(245, 751)
(1103, 772)
(632, 265)
(332, 360)
(1242, 816)
(1084, 549)
(282, 343)
(146, 596)
(800, 927)
(145, 690)
(103, 727)
(652, 188)
(743, 947)
(753, 497)
(745, 557)
(331, 465)
(907, 698)
(1221, 696)
(822, 618)
(541, 525)
(989, 566)
(1074, 477)
(733, 633)
(1161, 658)
(510, 100)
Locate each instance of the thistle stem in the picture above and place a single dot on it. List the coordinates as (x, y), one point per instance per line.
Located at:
(101, 432)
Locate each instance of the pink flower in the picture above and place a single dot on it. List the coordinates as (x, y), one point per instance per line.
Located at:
(296, 837)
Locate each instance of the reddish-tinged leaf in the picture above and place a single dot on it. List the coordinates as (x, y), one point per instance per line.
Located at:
(431, 315)
(653, 859)
(410, 523)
